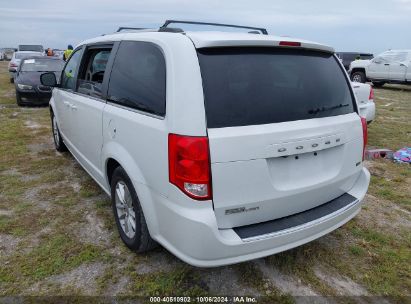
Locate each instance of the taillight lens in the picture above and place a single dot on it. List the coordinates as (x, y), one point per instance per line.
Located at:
(364, 135)
(13, 65)
(189, 165)
(371, 97)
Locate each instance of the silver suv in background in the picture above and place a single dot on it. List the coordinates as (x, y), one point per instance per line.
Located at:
(220, 146)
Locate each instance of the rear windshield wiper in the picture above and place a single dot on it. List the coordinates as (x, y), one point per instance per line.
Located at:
(323, 109)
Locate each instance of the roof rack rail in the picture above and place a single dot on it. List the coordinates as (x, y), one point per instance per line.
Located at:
(122, 28)
(171, 29)
(143, 29)
(262, 30)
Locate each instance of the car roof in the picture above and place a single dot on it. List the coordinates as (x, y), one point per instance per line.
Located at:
(42, 57)
(27, 52)
(205, 39)
(222, 39)
(397, 51)
(354, 53)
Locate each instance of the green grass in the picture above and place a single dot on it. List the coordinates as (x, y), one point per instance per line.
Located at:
(53, 256)
(391, 181)
(251, 276)
(89, 188)
(300, 263)
(392, 124)
(183, 281)
(356, 250)
(381, 261)
(7, 91)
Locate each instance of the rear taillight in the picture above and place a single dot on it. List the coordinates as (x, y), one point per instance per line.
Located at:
(364, 135)
(371, 97)
(13, 65)
(289, 43)
(189, 165)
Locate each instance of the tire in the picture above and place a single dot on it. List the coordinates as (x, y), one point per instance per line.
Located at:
(124, 199)
(18, 99)
(58, 140)
(378, 84)
(358, 77)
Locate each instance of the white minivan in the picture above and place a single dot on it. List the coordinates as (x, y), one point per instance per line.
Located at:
(222, 147)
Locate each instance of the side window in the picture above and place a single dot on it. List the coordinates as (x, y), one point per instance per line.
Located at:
(387, 56)
(92, 74)
(401, 57)
(69, 73)
(138, 77)
(351, 57)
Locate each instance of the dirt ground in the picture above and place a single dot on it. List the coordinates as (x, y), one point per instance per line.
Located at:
(58, 235)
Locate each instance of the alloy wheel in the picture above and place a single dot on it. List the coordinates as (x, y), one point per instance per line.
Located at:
(56, 132)
(125, 211)
(356, 78)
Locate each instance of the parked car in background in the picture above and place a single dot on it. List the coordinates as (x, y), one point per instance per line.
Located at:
(6, 53)
(58, 53)
(392, 66)
(31, 47)
(222, 147)
(364, 94)
(15, 61)
(29, 89)
(348, 57)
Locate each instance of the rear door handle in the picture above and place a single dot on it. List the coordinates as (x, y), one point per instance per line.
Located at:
(386, 64)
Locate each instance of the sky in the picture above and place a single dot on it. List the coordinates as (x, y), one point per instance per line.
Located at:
(347, 25)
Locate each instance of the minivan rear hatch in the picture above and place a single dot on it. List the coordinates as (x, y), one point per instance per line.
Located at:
(283, 131)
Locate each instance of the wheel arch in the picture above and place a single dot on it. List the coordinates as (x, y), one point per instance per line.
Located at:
(115, 155)
(358, 70)
(111, 165)
(52, 107)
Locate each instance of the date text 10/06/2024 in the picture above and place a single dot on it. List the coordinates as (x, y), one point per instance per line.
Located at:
(222, 299)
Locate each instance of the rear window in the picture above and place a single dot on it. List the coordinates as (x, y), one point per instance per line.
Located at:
(36, 48)
(350, 56)
(253, 86)
(366, 56)
(42, 65)
(25, 55)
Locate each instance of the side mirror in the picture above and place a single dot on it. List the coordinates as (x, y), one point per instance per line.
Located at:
(48, 79)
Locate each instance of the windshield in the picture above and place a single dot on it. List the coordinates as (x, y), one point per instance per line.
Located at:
(25, 55)
(27, 47)
(42, 65)
(252, 86)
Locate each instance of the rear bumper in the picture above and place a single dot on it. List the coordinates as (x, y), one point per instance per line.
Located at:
(192, 234)
(368, 110)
